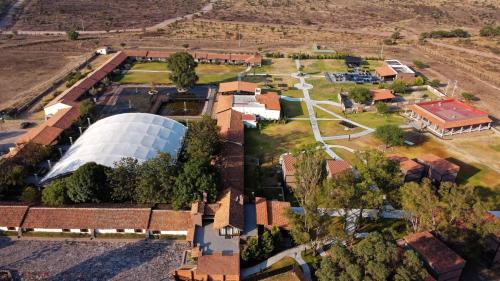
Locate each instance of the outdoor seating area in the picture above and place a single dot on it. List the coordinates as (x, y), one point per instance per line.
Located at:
(356, 76)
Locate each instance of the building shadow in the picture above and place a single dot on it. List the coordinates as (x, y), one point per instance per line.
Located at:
(466, 170)
(5, 241)
(111, 264)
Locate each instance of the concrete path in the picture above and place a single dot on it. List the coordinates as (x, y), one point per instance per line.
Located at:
(294, 253)
(319, 119)
(342, 147)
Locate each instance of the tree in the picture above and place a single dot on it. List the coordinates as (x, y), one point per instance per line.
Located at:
(390, 135)
(156, 180)
(312, 225)
(373, 258)
(87, 109)
(382, 108)
(399, 86)
(376, 170)
(468, 96)
(88, 184)
(55, 194)
(420, 64)
(196, 178)
(252, 251)
(72, 34)
(202, 139)
(30, 194)
(419, 81)
(421, 205)
(396, 35)
(122, 179)
(435, 83)
(11, 179)
(182, 67)
(360, 94)
(490, 31)
(267, 244)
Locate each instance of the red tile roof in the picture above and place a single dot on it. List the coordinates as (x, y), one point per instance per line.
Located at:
(41, 134)
(450, 113)
(12, 214)
(335, 167)
(230, 212)
(439, 164)
(224, 102)
(231, 166)
(169, 220)
(271, 213)
(64, 118)
(159, 54)
(381, 94)
(217, 264)
(435, 253)
(136, 53)
(404, 163)
(237, 86)
(385, 70)
(289, 164)
(271, 100)
(231, 126)
(87, 218)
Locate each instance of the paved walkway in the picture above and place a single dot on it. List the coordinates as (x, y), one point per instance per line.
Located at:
(294, 253)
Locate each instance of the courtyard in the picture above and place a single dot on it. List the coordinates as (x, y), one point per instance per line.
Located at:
(91, 260)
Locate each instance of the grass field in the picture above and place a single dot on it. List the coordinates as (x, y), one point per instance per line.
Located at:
(333, 128)
(316, 67)
(293, 109)
(277, 66)
(325, 90)
(143, 73)
(293, 93)
(374, 120)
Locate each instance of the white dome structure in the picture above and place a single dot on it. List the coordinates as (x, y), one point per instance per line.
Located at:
(137, 135)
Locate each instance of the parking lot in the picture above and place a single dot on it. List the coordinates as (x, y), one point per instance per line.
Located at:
(358, 77)
(90, 260)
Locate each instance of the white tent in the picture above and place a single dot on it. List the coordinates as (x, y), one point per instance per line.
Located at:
(137, 135)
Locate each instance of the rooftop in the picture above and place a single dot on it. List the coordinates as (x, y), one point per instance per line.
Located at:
(440, 164)
(208, 239)
(382, 94)
(219, 264)
(237, 86)
(271, 213)
(436, 254)
(335, 167)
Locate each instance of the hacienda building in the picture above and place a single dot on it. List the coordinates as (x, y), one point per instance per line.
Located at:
(394, 70)
(448, 117)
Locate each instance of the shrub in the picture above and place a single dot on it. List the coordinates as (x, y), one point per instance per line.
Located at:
(468, 96)
(399, 87)
(390, 135)
(72, 34)
(419, 81)
(382, 108)
(30, 194)
(420, 64)
(360, 94)
(435, 83)
(55, 194)
(490, 31)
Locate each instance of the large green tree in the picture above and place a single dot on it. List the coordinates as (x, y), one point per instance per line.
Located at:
(122, 179)
(360, 94)
(195, 178)
(183, 70)
(55, 193)
(421, 205)
(374, 258)
(156, 180)
(88, 184)
(390, 135)
(202, 139)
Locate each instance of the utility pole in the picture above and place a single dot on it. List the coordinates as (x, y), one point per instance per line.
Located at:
(447, 87)
(454, 88)
(83, 26)
(382, 51)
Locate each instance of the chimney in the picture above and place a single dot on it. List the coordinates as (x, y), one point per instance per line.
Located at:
(205, 200)
(258, 91)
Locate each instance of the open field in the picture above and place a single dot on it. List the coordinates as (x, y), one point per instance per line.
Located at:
(277, 66)
(325, 90)
(98, 15)
(21, 73)
(91, 260)
(374, 120)
(333, 128)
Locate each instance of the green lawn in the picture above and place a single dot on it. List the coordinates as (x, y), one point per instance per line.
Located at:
(325, 90)
(158, 78)
(155, 65)
(293, 93)
(344, 154)
(277, 66)
(294, 109)
(216, 73)
(333, 128)
(322, 66)
(323, 114)
(374, 120)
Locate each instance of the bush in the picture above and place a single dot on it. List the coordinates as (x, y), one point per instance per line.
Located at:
(88, 184)
(30, 194)
(399, 87)
(490, 31)
(420, 64)
(460, 33)
(55, 194)
(390, 135)
(435, 83)
(72, 34)
(360, 94)
(382, 108)
(468, 96)
(419, 81)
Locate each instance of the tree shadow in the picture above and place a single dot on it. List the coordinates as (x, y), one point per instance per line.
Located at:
(112, 263)
(292, 109)
(466, 170)
(5, 241)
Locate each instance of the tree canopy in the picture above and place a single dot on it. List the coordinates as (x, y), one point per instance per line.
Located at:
(390, 135)
(373, 258)
(202, 139)
(360, 94)
(88, 184)
(183, 70)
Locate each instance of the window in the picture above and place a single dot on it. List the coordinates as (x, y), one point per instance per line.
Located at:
(138, 230)
(66, 230)
(120, 230)
(84, 230)
(11, 228)
(156, 232)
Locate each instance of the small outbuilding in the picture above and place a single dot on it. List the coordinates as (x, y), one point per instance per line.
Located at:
(439, 169)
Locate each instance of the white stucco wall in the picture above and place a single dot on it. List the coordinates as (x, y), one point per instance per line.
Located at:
(6, 228)
(260, 111)
(178, 232)
(48, 229)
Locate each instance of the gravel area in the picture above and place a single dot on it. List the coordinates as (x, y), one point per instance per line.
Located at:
(90, 260)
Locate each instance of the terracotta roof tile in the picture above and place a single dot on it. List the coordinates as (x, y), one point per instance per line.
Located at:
(217, 264)
(12, 214)
(335, 167)
(169, 220)
(439, 164)
(436, 254)
(159, 54)
(271, 100)
(385, 70)
(41, 134)
(382, 94)
(64, 118)
(231, 166)
(404, 163)
(289, 164)
(231, 126)
(271, 213)
(237, 86)
(135, 53)
(230, 212)
(87, 218)
(224, 102)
